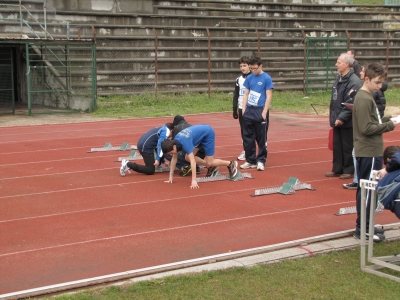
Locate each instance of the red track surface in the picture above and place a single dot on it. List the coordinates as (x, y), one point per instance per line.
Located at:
(67, 214)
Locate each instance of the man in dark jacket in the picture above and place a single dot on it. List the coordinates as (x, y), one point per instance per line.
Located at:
(380, 99)
(356, 65)
(340, 118)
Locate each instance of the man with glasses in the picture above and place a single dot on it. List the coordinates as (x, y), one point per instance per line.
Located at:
(256, 101)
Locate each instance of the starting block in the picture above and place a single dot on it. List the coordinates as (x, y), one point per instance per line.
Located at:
(219, 177)
(108, 147)
(134, 155)
(369, 185)
(353, 210)
(346, 211)
(287, 188)
(164, 169)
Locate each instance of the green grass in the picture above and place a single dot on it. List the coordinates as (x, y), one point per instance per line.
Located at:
(148, 105)
(369, 2)
(335, 275)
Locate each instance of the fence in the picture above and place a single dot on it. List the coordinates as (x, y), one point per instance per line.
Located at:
(321, 56)
(392, 2)
(45, 62)
(7, 104)
(61, 75)
(205, 63)
(126, 66)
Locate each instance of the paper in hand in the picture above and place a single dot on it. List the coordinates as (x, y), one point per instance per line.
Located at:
(348, 105)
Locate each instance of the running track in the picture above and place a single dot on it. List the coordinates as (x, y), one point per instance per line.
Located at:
(68, 215)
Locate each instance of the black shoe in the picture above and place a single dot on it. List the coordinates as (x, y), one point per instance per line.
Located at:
(198, 170)
(185, 171)
(380, 230)
(378, 237)
(350, 186)
(212, 171)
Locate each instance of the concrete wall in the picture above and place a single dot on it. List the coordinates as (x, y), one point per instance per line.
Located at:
(116, 6)
(129, 31)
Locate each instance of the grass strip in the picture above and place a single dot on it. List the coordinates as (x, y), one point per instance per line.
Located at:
(150, 105)
(334, 275)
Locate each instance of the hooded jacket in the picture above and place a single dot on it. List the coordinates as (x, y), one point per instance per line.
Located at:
(179, 124)
(239, 92)
(380, 99)
(340, 94)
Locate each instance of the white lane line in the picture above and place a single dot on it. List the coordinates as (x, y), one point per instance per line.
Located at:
(116, 184)
(63, 159)
(60, 173)
(77, 189)
(120, 153)
(121, 205)
(98, 133)
(138, 203)
(170, 229)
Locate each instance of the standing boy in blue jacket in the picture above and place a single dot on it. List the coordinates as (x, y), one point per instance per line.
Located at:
(256, 101)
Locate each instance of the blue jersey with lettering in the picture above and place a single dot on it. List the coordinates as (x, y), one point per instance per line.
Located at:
(197, 136)
(258, 86)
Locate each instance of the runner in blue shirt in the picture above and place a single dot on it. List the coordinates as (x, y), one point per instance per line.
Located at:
(190, 140)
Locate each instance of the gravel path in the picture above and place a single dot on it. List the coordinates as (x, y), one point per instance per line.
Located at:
(25, 120)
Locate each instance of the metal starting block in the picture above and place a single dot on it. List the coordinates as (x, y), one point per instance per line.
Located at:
(134, 155)
(287, 188)
(108, 147)
(164, 169)
(346, 211)
(353, 210)
(368, 185)
(219, 177)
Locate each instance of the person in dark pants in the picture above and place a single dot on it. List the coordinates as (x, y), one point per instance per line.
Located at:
(340, 118)
(388, 188)
(256, 101)
(238, 93)
(368, 128)
(380, 101)
(356, 65)
(149, 146)
(179, 124)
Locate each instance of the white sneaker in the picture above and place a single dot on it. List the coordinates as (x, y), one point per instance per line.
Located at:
(124, 167)
(242, 156)
(248, 165)
(260, 166)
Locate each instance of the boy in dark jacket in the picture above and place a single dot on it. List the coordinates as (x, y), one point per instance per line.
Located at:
(238, 96)
(380, 99)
